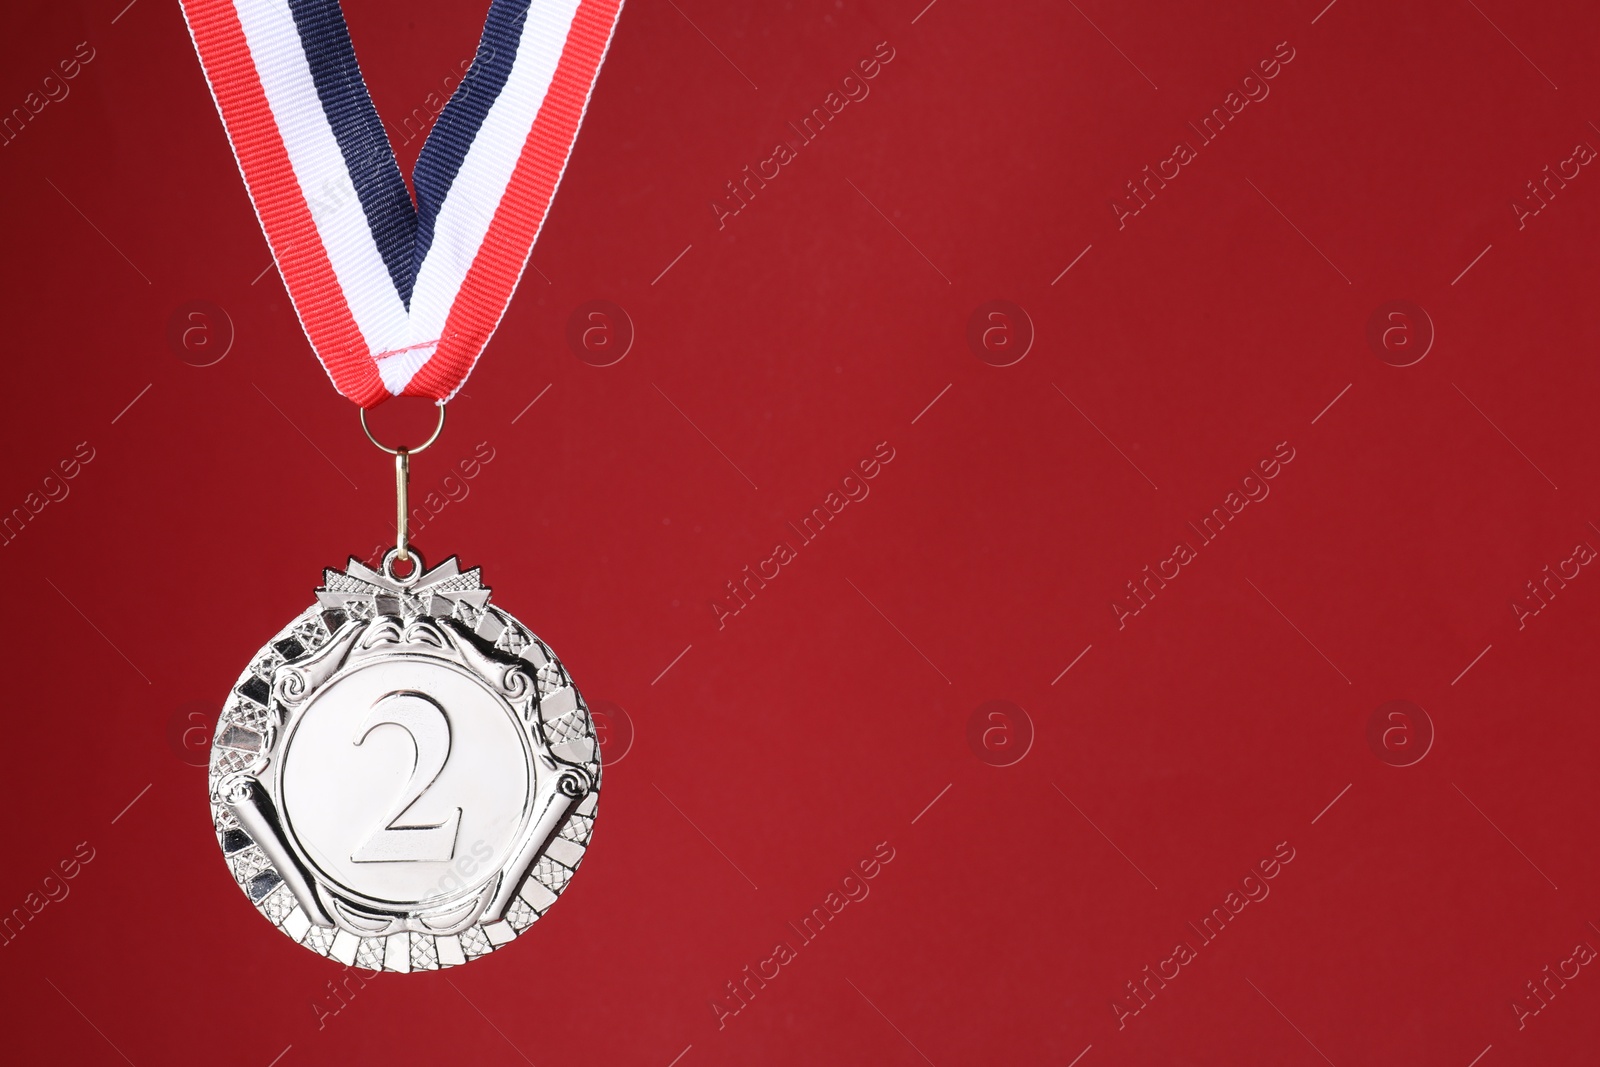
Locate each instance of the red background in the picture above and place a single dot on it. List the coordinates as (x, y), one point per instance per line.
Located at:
(825, 717)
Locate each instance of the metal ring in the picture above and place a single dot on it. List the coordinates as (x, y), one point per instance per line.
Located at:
(392, 556)
(437, 430)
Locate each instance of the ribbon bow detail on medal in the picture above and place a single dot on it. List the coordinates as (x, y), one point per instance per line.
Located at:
(380, 593)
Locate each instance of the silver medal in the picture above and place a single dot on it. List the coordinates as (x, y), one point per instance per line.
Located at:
(405, 777)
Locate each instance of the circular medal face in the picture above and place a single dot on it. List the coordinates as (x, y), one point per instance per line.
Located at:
(405, 777)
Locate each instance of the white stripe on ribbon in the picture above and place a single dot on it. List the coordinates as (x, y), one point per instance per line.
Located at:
(319, 166)
(465, 217)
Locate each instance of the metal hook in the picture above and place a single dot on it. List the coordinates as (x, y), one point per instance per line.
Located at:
(402, 481)
(402, 485)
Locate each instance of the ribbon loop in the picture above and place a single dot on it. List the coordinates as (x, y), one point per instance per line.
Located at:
(399, 299)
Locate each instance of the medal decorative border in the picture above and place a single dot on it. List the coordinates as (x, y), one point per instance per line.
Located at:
(361, 612)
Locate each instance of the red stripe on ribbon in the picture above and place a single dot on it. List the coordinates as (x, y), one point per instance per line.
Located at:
(280, 205)
(486, 290)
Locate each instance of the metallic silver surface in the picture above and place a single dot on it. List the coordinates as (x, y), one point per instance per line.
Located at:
(404, 778)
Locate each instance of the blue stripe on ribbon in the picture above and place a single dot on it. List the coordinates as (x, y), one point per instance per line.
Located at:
(362, 141)
(402, 232)
(458, 124)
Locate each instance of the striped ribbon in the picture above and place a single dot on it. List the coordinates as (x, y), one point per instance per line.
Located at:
(399, 299)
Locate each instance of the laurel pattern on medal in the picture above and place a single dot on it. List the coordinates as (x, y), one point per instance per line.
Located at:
(447, 605)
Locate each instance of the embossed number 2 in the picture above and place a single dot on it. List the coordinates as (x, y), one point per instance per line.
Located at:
(425, 722)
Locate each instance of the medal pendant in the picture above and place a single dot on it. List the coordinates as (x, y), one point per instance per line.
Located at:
(405, 777)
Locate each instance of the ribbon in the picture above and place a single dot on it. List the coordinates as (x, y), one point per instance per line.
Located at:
(399, 299)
